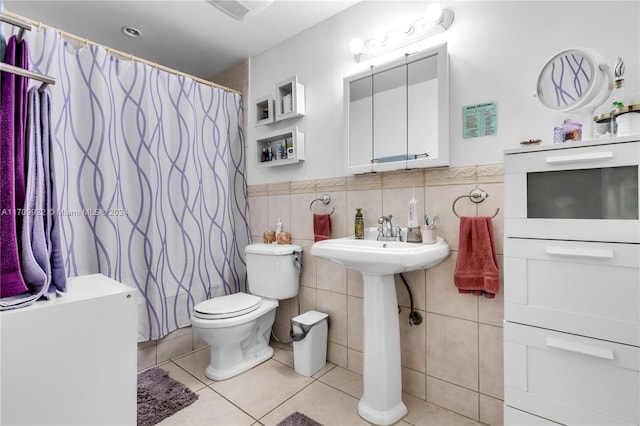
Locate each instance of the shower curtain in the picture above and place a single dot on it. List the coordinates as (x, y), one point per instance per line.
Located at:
(150, 179)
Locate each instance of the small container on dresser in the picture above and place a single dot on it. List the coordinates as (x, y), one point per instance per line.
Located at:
(572, 283)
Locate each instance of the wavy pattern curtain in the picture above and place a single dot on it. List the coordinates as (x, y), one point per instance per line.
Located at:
(150, 176)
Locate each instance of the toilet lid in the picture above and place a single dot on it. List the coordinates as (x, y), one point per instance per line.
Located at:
(229, 306)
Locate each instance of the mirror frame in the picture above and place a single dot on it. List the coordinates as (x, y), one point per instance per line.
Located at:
(599, 82)
(443, 114)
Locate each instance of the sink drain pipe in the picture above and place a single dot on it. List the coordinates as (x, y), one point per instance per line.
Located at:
(414, 317)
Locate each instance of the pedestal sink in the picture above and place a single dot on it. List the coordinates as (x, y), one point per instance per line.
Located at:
(378, 261)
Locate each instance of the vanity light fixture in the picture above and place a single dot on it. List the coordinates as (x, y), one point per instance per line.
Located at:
(435, 20)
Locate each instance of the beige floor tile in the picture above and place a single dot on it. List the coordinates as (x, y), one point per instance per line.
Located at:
(195, 363)
(177, 373)
(209, 409)
(284, 354)
(344, 380)
(328, 367)
(422, 413)
(322, 403)
(262, 388)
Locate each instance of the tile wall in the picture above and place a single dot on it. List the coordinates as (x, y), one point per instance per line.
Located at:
(454, 358)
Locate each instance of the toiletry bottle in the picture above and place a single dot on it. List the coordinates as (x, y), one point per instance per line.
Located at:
(278, 227)
(290, 152)
(359, 224)
(618, 93)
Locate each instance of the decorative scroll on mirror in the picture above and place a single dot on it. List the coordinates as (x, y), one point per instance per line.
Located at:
(397, 114)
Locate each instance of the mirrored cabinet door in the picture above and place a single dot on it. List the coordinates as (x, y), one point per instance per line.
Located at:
(390, 115)
(422, 111)
(360, 134)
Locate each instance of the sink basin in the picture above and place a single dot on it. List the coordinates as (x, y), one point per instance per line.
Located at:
(373, 257)
(378, 261)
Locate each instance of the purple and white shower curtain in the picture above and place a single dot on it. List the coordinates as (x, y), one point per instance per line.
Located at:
(150, 179)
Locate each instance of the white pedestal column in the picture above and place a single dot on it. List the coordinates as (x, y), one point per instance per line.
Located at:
(381, 401)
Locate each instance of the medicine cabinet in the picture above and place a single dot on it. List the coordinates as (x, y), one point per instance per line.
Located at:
(397, 114)
(286, 147)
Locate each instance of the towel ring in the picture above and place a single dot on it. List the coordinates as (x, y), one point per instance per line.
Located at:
(326, 199)
(477, 196)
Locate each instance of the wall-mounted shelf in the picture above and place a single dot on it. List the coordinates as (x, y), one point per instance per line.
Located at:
(265, 112)
(289, 99)
(293, 141)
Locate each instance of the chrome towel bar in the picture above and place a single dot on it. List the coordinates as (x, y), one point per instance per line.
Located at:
(326, 199)
(477, 196)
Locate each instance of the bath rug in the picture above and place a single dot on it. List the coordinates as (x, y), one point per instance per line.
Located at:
(298, 419)
(159, 396)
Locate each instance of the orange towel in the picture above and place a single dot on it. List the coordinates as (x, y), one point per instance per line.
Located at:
(477, 264)
(321, 227)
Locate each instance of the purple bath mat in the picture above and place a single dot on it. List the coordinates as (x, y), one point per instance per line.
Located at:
(159, 396)
(298, 419)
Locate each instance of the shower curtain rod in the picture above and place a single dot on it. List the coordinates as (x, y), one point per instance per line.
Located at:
(123, 55)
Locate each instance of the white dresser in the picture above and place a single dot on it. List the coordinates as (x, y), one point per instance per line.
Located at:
(572, 284)
(71, 360)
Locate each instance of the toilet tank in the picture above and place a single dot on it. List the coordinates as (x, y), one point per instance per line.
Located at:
(273, 270)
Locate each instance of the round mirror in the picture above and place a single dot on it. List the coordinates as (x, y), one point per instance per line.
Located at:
(574, 80)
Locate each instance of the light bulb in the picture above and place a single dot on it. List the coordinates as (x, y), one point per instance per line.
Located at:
(433, 14)
(356, 46)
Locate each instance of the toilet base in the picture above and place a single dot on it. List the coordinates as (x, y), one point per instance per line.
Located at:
(255, 359)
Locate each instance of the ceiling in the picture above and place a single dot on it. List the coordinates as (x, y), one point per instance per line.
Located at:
(192, 36)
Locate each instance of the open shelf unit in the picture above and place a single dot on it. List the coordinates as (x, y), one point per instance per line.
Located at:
(264, 110)
(289, 99)
(293, 141)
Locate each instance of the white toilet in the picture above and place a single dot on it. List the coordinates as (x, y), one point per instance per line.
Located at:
(238, 326)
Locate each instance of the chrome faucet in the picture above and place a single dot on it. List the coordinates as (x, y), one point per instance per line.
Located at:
(386, 232)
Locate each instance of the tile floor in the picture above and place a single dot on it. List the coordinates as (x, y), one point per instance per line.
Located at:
(271, 391)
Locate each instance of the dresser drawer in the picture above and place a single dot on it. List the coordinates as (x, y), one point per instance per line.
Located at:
(579, 192)
(585, 288)
(571, 379)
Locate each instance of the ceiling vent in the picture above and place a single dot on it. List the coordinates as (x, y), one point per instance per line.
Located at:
(240, 9)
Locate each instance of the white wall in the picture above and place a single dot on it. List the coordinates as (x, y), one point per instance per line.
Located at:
(496, 48)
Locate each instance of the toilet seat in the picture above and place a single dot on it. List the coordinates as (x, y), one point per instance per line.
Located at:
(229, 306)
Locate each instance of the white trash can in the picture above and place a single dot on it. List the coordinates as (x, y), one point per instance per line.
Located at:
(309, 335)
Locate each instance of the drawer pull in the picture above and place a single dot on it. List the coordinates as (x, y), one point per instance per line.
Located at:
(580, 348)
(563, 251)
(563, 159)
